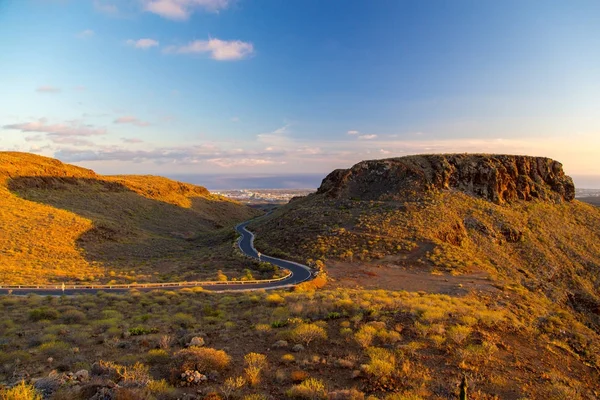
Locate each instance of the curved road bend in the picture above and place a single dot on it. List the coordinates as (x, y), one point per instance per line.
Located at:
(300, 273)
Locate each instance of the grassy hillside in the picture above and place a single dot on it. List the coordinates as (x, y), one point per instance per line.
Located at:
(552, 248)
(60, 223)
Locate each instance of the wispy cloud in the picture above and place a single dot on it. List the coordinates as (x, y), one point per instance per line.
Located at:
(142, 43)
(71, 140)
(128, 119)
(353, 132)
(70, 128)
(221, 50)
(243, 162)
(367, 137)
(86, 34)
(276, 139)
(47, 89)
(182, 9)
(132, 140)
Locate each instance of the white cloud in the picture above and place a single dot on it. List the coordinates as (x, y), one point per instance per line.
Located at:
(385, 152)
(244, 162)
(47, 89)
(367, 137)
(235, 119)
(221, 50)
(182, 9)
(128, 119)
(353, 132)
(142, 43)
(86, 34)
(70, 128)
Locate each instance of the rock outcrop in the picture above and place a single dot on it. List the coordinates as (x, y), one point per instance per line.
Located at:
(497, 178)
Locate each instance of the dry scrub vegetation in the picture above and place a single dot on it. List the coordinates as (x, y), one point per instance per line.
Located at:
(547, 248)
(329, 344)
(61, 223)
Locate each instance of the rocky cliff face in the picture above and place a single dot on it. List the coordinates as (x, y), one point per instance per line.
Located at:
(497, 178)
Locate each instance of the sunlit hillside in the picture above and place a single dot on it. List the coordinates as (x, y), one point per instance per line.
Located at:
(64, 223)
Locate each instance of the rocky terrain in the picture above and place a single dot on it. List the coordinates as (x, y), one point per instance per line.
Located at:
(498, 178)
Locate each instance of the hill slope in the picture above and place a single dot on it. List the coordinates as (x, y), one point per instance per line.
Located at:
(60, 222)
(511, 219)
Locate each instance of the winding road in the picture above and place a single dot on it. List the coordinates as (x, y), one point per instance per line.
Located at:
(299, 274)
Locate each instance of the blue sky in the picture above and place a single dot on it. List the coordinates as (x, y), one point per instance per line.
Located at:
(273, 87)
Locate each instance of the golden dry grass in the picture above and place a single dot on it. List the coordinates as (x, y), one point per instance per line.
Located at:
(59, 222)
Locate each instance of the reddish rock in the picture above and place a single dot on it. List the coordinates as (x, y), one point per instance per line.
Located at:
(497, 178)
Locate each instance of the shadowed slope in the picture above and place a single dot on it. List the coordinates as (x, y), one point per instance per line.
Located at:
(61, 222)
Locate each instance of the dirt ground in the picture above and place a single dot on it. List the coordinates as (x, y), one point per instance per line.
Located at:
(412, 279)
(406, 272)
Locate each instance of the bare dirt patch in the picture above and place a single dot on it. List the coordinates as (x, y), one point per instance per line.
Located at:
(392, 276)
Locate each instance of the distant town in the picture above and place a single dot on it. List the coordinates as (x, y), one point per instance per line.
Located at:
(263, 196)
(587, 193)
(282, 196)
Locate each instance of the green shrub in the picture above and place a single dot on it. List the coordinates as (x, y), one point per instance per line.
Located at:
(184, 320)
(137, 331)
(55, 349)
(73, 317)
(157, 356)
(279, 324)
(38, 314)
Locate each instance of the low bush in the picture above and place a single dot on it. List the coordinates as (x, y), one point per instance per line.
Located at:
(55, 349)
(310, 389)
(255, 363)
(157, 356)
(201, 359)
(22, 391)
(307, 333)
(38, 314)
(73, 317)
(346, 394)
(137, 331)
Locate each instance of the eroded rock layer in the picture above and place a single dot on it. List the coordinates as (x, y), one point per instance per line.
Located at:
(497, 178)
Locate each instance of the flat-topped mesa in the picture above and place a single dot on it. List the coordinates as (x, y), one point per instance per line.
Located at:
(497, 178)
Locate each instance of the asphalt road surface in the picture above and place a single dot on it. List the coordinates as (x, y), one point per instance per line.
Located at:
(300, 273)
